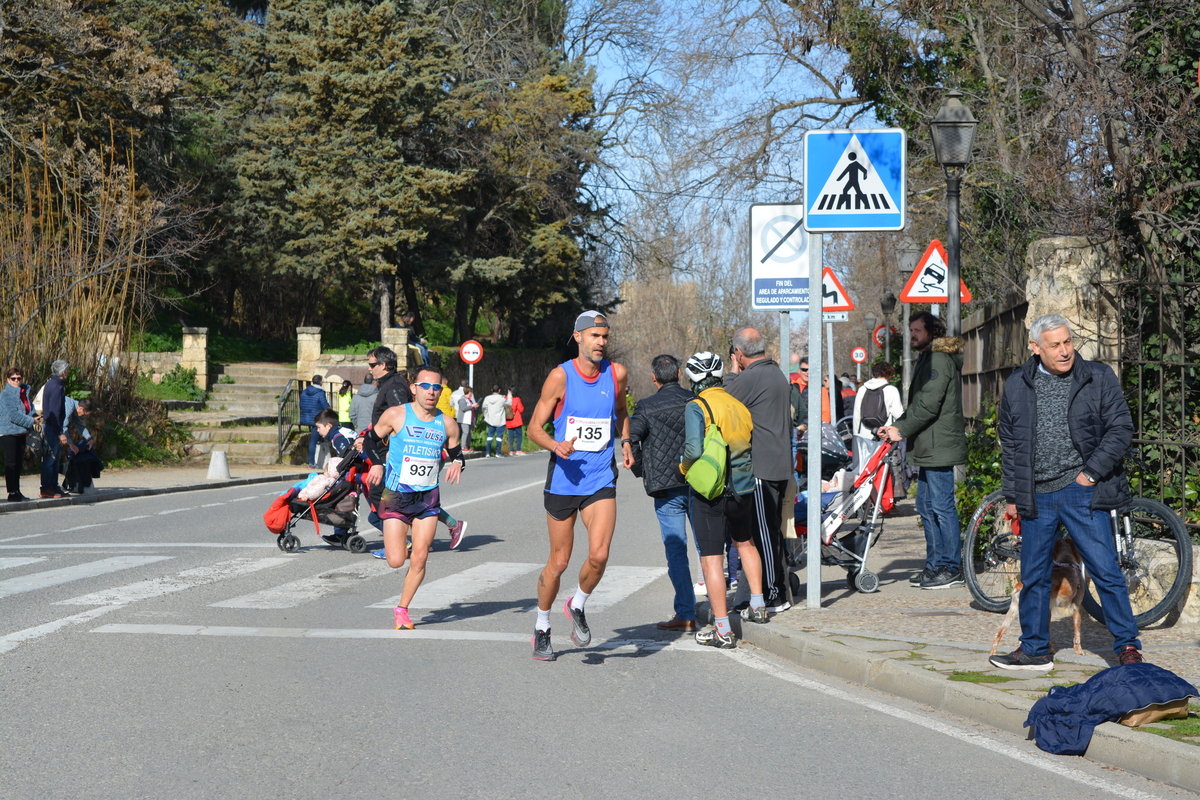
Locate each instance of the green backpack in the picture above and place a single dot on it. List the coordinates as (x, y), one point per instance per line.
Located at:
(707, 475)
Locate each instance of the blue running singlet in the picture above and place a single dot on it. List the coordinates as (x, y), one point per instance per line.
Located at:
(588, 413)
(414, 461)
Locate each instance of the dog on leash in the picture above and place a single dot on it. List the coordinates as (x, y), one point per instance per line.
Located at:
(1066, 591)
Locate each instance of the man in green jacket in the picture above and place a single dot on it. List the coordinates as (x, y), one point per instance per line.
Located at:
(936, 432)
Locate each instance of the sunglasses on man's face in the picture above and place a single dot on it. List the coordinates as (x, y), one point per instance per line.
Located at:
(430, 387)
(804, 369)
(372, 364)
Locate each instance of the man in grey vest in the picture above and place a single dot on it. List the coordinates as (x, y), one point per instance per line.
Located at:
(1064, 428)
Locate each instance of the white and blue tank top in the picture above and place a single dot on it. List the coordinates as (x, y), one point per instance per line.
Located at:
(414, 461)
(588, 412)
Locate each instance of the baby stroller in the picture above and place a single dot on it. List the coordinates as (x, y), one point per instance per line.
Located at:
(861, 502)
(337, 507)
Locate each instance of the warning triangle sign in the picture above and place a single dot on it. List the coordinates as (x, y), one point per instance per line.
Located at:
(834, 296)
(854, 186)
(928, 283)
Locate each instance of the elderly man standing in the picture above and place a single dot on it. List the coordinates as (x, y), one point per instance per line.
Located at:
(1064, 429)
(54, 395)
(761, 386)
(656, 432)
(935, 429)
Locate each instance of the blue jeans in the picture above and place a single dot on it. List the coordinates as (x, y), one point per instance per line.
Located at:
(939, 518)
(50, 465)
(495, 434)
(515, 437)
(314, 439)
(1092, 533)
(672, 512)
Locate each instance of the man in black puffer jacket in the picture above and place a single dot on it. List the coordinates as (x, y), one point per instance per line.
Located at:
(1064, 428)
(656, 434)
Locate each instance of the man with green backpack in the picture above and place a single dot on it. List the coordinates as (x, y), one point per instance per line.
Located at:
(716, 464)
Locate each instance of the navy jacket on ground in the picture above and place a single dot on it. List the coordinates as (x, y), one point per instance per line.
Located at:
(1101, 430)
(1063, 720)
(312, 402)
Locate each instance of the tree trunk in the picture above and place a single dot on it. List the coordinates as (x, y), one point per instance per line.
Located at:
(383, 294)
(462, 312)
(410, 297)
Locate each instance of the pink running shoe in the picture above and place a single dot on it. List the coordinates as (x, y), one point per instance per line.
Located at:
(456, 533)
(403, 622)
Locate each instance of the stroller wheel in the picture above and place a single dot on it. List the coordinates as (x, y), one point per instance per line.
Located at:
(289, 543)
(867, 582)
(279, 541)
(356, 544)
(794, 581)
(852, 578)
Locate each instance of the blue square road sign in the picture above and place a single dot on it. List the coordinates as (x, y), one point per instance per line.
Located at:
(854, 180)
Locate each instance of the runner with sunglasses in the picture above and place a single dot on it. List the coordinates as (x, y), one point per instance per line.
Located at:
(410, 473)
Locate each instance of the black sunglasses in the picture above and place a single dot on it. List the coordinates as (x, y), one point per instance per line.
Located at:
(372, 364)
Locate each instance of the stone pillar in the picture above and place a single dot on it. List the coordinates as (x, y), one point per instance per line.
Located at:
(195, 354)
(108, 355)
(397, 340)
(1062, 271)
(308, 352)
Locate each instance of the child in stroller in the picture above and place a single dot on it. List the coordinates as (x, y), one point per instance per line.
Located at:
(342, 442)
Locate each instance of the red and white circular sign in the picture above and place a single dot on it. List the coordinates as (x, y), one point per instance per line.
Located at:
(879, 334)
(858, 355)
(471, 352)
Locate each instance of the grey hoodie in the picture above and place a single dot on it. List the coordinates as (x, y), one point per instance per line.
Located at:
(361, 405)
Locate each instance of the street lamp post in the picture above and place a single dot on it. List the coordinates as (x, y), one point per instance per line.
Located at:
(870, 321)
(888, 305)
(953, 132)
(907, 253)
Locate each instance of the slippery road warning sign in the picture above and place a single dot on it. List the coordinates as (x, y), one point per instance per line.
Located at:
(929, 281)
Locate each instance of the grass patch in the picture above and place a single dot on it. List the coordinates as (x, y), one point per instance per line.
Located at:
(1180, 729)
(178, 384)
(969, 676)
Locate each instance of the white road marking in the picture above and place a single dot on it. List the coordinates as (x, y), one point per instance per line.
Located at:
(81, 527)
(130, 519)
(14, 640)
(134, 545)
(490, 496)
(290, 595)
(1049, 764)
(239, 499)
(7, 563)
(27, 536)
(90, 569)
(172, 511)
(210, 505)
(156, 587)
(377, 633)
(617, 584)
(461, 586)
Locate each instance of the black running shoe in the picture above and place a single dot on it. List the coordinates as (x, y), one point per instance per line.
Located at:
(581, 634)
(1018, 659)
(542, 651)
(710, 637)
(920, 577)
(943, 579)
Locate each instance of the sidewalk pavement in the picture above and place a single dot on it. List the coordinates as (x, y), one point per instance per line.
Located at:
(931, 646)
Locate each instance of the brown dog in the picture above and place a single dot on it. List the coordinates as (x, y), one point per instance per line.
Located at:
(1066, 591)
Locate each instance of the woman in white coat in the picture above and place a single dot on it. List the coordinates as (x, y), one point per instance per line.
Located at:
(876, 404)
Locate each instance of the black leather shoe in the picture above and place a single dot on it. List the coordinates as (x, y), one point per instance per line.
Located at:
(16, 497)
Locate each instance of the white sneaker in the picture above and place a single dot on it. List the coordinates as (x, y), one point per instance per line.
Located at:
(700, 590)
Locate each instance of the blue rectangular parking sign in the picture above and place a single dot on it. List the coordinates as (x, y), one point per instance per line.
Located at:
(854, 180)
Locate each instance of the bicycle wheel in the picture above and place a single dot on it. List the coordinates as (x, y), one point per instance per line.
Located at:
(991, 555)
(1157, 565)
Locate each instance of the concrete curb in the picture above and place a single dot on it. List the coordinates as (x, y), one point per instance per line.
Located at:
(1146, 754)
(122, 494)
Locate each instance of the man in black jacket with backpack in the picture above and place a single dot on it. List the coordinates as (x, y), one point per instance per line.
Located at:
(656, 442)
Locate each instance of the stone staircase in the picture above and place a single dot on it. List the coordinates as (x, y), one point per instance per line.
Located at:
(240, 417)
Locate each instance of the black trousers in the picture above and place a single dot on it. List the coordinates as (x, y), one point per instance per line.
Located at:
(14, 455)
(768, 538)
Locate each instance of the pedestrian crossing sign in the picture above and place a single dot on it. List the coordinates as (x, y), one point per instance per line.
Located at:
(854, 180)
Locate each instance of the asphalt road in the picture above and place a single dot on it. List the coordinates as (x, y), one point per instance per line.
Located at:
(164, 647)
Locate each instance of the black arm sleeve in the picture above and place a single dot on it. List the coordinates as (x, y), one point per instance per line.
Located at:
(373, 447)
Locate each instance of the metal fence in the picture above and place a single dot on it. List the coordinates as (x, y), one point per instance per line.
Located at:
(1159, 357)
(289, 411)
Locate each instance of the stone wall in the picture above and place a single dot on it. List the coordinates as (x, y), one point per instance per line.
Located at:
(527, 368)
(157, 364)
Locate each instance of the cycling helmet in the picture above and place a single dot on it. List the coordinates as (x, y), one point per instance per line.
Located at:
(704, 365)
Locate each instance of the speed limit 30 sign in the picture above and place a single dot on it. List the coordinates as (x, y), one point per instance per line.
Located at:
(858, 355)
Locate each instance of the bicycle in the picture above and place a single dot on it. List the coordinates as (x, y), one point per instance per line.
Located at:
(1154, 552)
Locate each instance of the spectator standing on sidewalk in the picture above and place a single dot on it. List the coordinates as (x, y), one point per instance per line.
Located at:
(878, 402)
(345, 397)
(935, 429)
(17, 419)
(761, 387)
(360, 406)
(494, 418)
(1064, 428)
(656, 443)
(54, 395)
(312, 402)
(467, 408)
(514, 422)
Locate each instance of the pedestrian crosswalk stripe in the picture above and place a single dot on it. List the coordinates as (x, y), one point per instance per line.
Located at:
(14, 640)
(90, 569)
(8, 563)
(290, 595)
(456, 588)
(267, 542)
(685, 644)
(156, 587)
(620, 582)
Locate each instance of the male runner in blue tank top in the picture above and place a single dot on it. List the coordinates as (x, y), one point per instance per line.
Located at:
(410, 476)
(585, 399)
